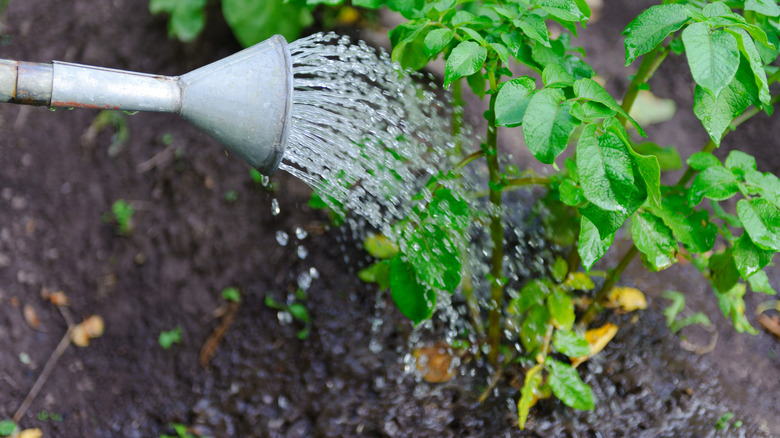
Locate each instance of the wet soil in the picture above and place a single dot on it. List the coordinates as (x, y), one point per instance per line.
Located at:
(190, 241)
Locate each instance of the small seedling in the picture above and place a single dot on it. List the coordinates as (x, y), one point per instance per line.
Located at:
(122, 213)
(44, 415)
(231, 196)
(170, 337)
(167, 139)
(296, 310)
(187, 17)
(181, 431)
(231, 294)
(725, 421)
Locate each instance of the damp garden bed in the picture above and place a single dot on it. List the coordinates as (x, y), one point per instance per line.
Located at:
(202, 224)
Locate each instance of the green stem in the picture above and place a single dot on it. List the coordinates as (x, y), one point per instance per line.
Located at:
(647, 68)
(595, 307)
(468, 159)
(496, 230)
(457, 115)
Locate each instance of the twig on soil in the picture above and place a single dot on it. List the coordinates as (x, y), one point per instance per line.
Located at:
(156, 160)
(53, 358)
(772, 325)
(699, 349)
(212, 343)
(493, 382)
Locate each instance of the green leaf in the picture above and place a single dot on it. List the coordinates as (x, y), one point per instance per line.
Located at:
(380, 246)
(668, 157)
(765, 7)
(475, 35)
(414, 300)
(533, 328)
(570, 193)
(651, 173)
(299, 312)
(554, 76)
(651, 27)
(466, 59)
(547, 124)
(501, 51)
(533, 27)
(410, 9)
(436, 41)
(565, 10)
(170, 337)
(591, 246)
(588, 111)
(677, 306)
(434, 257)
(533, 378)
(568, 387)
(449, 209)
(531, 295)
(733, 305)
(716, 114)
(607, 222)
(608, 172)
(409, 48)
(740, 163)
(723, 270)
(654, 240)
(231, 294)
(570, 343)
(559, 269)
(7, 427)
(463, 17)
(368, 4)
(759, 282)
(477, 83)
(702, 160)
(512, 100)
(714, 182)
(691, 228)
(768, 185)
(731, 219)
(253, 21)
(713, 56)
(748, 49)
(591, 90)
(749, 258)
(761, 221)
(378, 273)
(561, 308)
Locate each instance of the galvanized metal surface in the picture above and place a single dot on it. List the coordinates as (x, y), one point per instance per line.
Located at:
(82, 86)
(243, 101)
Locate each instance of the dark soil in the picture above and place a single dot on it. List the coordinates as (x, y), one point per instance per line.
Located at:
(189, 242)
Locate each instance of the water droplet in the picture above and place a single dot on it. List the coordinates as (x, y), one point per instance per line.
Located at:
(300, 233)
(302, 252)
(275, 207)
(282, 238)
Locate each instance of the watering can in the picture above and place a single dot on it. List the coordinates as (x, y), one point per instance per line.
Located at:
(243, 101)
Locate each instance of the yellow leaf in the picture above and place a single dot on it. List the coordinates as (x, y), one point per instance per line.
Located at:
(90, 328)
(380, 246)
(627, 299)
(31, 433)
(435, 363)
(579, 281)
(597, 338)
(649, 109)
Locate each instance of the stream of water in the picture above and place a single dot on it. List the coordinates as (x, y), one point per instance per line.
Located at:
(365, 133)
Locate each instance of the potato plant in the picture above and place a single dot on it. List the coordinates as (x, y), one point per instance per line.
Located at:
(611, 180)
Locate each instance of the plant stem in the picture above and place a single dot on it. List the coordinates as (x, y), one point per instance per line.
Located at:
(457, 115)
(496, 229)
(612, 278)
(647, 68)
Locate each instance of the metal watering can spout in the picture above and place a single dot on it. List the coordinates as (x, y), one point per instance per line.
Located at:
(243, 101)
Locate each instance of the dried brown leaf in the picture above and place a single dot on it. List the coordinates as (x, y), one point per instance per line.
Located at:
(31, 317)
